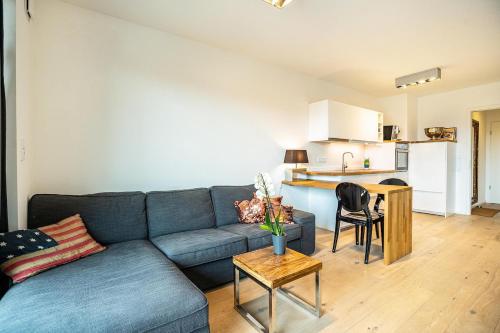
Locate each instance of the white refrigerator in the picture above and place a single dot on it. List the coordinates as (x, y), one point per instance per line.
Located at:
(432, 175)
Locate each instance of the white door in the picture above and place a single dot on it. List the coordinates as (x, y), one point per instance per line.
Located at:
(495, 163)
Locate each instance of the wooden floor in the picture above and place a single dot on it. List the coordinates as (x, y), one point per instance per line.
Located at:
(492, 206)
(450, 283)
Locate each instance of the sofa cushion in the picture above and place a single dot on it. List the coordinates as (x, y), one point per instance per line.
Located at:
(258, 238)
(182, 210)
(223, 198)
(196, 247)
(131, 287)
(308, 239)
(33, 251)
(109, 217)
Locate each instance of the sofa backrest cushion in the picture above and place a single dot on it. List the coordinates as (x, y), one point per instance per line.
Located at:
(109, 217)
(223, 198)
(179, 210)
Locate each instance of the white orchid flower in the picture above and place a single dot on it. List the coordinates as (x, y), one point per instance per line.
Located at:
(264, 185)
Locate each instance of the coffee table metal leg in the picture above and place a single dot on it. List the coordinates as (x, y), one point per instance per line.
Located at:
(313, 309)
(236, 287)
(318, 294)
(272, 310)
(241, 310)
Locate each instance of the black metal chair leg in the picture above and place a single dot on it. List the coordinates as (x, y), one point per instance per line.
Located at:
(336, 235)
(377, 232)
(368, 242)
(362, 238)
(356, 230)
(382, 230)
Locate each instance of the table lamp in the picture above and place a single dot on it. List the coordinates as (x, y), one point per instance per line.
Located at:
(296, 156)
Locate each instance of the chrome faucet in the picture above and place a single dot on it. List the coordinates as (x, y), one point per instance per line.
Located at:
(344, 164)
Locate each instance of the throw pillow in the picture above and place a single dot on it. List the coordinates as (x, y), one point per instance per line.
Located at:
(254, 210)
(250, 211)
(286, 215)
(24, 253)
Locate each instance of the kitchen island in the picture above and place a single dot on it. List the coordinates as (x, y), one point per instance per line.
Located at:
(398, 211)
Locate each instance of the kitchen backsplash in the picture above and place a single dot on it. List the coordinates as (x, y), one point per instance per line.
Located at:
(328, 156)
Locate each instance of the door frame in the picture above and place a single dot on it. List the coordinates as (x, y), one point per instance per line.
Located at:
(475, 161)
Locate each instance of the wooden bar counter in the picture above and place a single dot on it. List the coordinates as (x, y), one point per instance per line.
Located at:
(397, 214)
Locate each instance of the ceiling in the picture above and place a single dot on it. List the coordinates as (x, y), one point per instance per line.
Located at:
(361, 44)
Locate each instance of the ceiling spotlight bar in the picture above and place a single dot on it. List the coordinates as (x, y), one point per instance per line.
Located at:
(418, 78)
(279, 3)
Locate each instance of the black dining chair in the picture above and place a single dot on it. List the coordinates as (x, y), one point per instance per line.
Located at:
(354, 200)
(380, 197)
(378, 201)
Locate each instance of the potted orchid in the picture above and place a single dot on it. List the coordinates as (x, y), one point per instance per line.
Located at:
(265, 189)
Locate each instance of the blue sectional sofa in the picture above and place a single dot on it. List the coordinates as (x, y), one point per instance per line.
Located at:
(164, 248)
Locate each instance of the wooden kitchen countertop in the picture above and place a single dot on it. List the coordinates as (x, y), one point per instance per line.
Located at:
(372, 188)
(420, 141)
(352, 172)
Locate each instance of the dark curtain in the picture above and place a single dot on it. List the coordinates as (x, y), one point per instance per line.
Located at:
(3, 129)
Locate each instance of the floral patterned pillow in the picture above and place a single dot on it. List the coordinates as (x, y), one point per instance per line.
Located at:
(254, 210)
(250, 211)
(286, 215)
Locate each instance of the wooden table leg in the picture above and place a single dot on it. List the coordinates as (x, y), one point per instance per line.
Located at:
(397, 225)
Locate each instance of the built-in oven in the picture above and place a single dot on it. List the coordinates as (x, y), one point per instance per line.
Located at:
(402, 153)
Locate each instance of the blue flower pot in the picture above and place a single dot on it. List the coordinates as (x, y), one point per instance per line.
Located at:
(279, 243)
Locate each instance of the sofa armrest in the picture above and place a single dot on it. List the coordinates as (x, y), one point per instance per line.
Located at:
(307, 221)
(4, 284)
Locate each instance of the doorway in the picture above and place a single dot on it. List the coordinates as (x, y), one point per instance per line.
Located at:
(485, 159)
(475, 161)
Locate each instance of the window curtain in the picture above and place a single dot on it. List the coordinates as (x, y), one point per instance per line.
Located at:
(3, 129)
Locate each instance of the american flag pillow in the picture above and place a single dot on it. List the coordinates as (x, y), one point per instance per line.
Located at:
(25, 253)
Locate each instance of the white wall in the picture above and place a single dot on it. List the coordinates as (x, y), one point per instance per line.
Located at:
(491, 116)
(9, 16)
(394, 109)
(118, 106)
(25, 105)
(455, 108)
(401, 110)
(412, 118)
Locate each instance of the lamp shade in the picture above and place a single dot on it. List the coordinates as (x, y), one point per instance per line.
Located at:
(296, 156)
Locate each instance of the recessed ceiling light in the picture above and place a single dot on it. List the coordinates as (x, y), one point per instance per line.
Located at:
(279, 3)
(418, 78)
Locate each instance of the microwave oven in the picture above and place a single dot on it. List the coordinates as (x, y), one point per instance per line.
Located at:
(391, 132)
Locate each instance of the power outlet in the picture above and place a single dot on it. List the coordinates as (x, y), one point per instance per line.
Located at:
(321, 159)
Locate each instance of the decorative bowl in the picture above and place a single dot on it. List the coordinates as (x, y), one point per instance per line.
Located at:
(434, 132)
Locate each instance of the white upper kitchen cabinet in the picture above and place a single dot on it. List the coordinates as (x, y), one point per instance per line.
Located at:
(331, 120)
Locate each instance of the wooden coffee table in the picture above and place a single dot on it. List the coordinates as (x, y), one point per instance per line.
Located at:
(271, 272)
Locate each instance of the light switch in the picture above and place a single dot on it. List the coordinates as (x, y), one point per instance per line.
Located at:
(22, 151)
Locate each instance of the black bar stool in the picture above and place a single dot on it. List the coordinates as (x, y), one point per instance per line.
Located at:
(354, 199)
